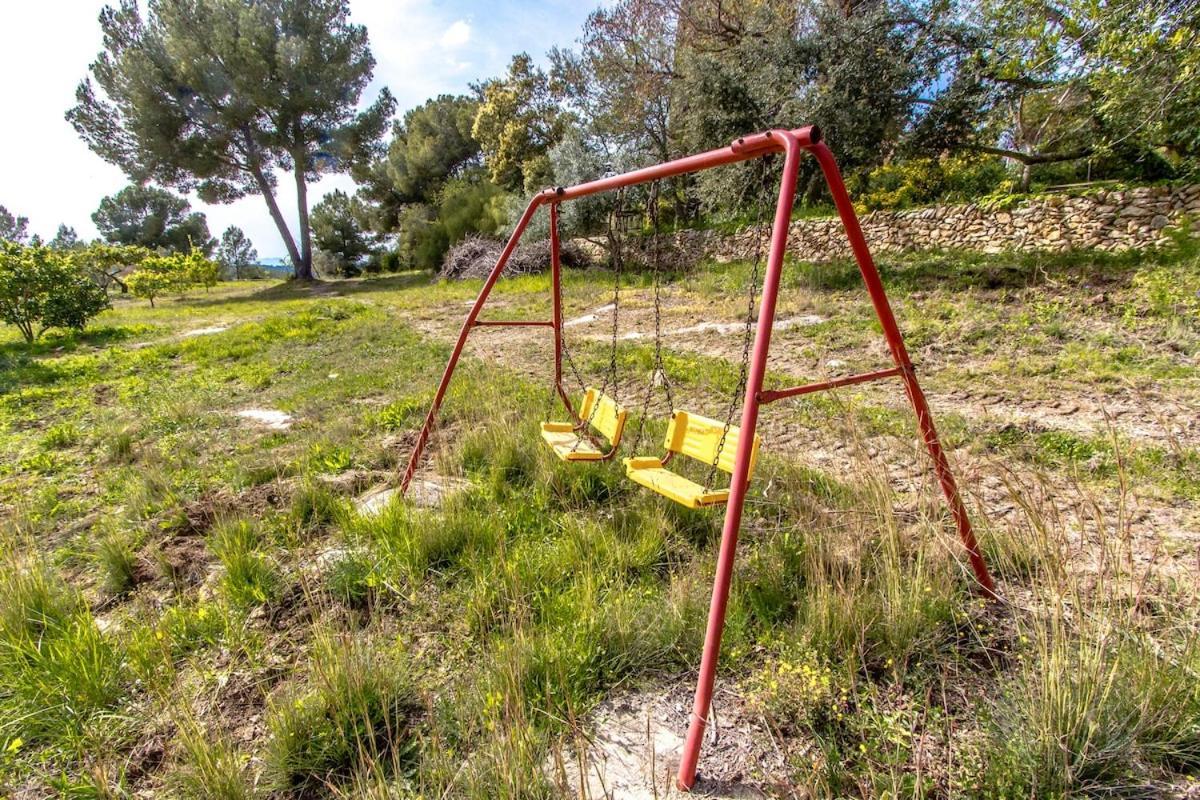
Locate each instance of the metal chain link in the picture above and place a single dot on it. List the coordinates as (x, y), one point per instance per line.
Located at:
(659, 367)
(744, 373)
(610, 380)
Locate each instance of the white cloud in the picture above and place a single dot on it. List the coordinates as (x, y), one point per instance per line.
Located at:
(457, 35)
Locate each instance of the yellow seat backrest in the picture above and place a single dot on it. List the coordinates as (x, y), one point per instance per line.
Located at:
(699, 437)
(609, 418)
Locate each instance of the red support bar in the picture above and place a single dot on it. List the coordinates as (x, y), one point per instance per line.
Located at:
(556, 310)
(743, 149)
(891, 332)
(739, 480)
(513, 323)
(414, 458)
(771, 395)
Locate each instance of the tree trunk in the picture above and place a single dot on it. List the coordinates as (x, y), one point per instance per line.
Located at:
(305, 229)
(265, 187)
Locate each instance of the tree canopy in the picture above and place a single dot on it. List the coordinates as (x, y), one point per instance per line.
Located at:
(235, 252)
(518, 121)
(13, 227)
(153, 218)
(41, 288)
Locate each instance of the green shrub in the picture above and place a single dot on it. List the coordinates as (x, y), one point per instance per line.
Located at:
(919, 181)
(41, 288)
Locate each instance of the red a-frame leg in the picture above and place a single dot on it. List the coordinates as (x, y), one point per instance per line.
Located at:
(686, 777)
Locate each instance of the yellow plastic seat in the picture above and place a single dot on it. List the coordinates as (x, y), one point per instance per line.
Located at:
(608, 420)
(696, 437)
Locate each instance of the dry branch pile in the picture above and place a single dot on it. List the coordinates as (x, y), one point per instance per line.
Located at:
(475, 256)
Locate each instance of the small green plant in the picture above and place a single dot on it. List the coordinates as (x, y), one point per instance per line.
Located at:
(118, 563)
(210, 767)
(61, 436)
(251, 577)
(356, 706)
(352, 579)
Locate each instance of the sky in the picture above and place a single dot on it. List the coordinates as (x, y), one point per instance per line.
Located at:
(423, 48)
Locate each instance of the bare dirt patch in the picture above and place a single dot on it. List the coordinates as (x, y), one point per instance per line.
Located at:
(630, 746)
(268, 417)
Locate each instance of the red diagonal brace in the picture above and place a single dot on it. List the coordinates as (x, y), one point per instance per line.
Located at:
(771, 395)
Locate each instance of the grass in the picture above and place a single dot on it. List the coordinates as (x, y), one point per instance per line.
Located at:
(175, 574)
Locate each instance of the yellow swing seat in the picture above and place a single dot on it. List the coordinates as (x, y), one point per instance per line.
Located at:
(608, 420)
(696, 437)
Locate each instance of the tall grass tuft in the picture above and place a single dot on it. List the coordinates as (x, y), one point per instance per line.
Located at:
(209, 768)
(56, 668)
(250, 576)
(356, 706)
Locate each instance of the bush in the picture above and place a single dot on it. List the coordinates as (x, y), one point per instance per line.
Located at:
(40, 288)
(927, 180)
(179, 272)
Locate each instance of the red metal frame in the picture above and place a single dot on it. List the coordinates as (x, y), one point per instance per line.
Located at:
(793, 144)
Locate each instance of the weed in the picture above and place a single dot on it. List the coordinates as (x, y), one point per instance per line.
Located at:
(118, 563)
(210, 767)
(61, 436)
(356, 706)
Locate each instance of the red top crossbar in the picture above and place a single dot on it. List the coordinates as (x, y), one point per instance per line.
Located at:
(793, 144)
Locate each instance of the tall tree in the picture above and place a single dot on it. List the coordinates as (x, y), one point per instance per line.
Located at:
(13, 228)
(219, 95)
(154, 218)
(620, 82)
(66, 238)
(518, 121)
(338, 230)
(236, 252)
(431, 145)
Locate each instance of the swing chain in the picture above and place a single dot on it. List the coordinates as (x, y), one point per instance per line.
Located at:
(610, 380)
(744, 373)
(659, 367)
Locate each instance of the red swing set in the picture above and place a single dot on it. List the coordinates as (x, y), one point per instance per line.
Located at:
(696, 435)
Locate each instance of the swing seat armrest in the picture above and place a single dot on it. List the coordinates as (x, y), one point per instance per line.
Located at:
(643, 462)
(558, 427)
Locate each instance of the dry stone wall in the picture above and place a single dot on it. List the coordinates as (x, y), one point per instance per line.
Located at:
(1107, 220)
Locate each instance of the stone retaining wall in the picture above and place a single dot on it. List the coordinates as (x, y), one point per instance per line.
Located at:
(1101, 220)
